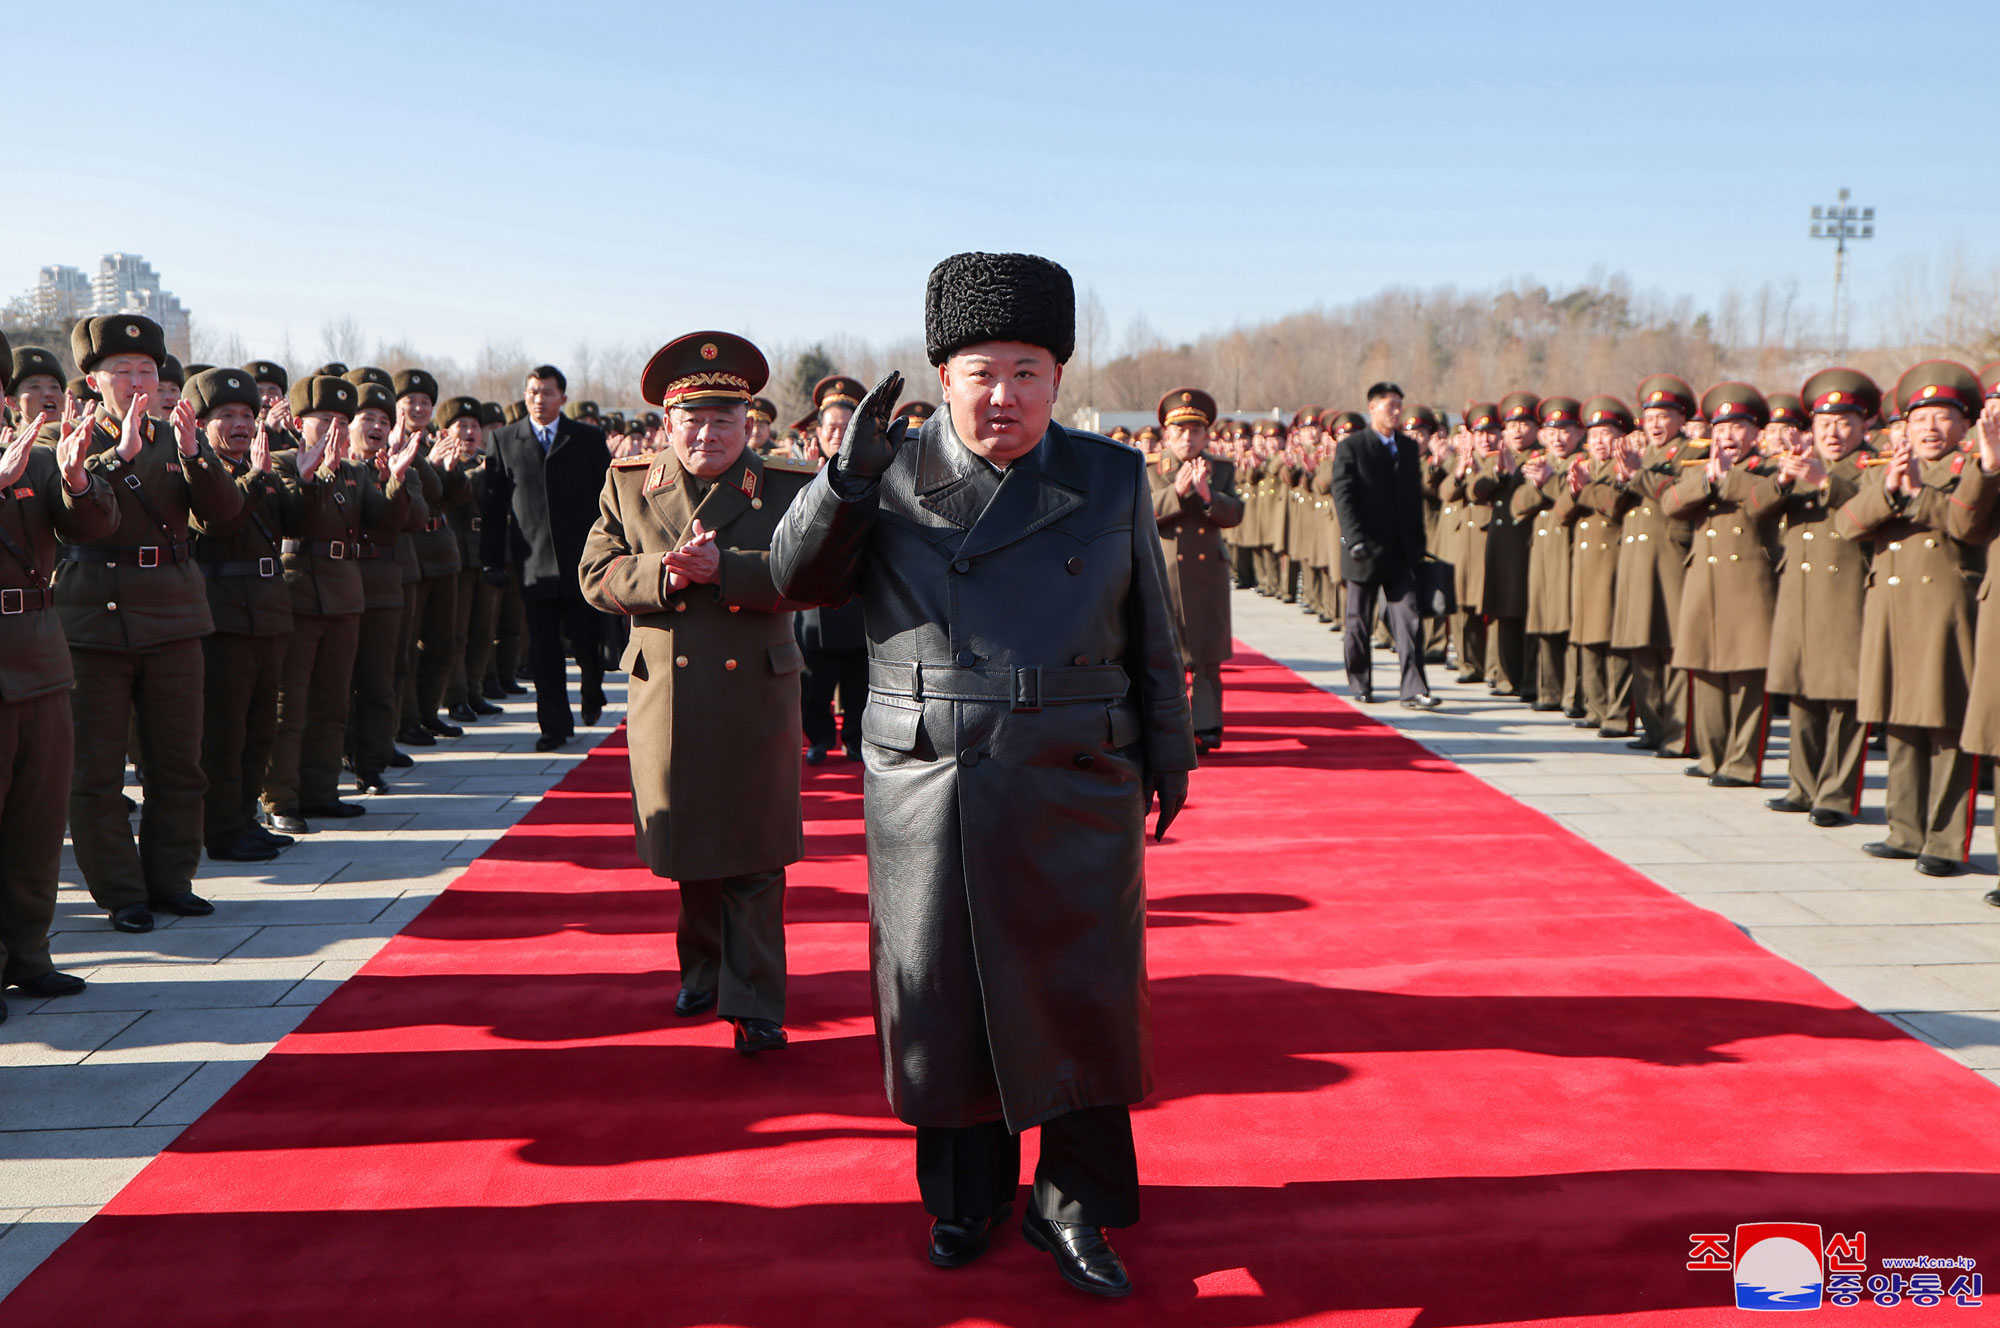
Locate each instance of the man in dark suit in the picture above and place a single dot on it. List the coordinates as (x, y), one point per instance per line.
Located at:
(544, 474)
(1378, 496)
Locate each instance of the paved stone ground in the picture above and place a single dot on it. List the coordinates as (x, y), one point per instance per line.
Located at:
(1923, 952)
(93, 1086)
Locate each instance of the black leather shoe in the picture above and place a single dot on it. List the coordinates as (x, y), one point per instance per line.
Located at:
(400, 760)
(432, 724)
(956, 1242)
(1882, 848)
(463, 713)
(1586, 724)
(548, 742)
(264, 835)
(691, 1003)
(852, 751)
(1613, 733)
(186, 903)
(1992, 897)
(1083, 1256)
(1666, 754)
(1424, 702)
(291, 823)
(415, 735)
(1695, 771)
(1576, 712)
(1643, 745)
(335, 810)
(513, 689)
(1935, 866)
(1728, 781)
(370, 784)
(815, 756)
(1825, 819)
(1785, 805)
(592, 709)
(480, 705)
(132, 918)
(755, 1035)
(244, 848)
(51, 983)
(492, 690)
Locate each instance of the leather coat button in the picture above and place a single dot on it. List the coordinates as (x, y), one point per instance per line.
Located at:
(1085, 760)
(966, 659)
(1074, 567)
(962, 566)
(969, 757)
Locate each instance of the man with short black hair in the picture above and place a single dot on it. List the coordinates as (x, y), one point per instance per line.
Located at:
(1378, 494)
(544, 473)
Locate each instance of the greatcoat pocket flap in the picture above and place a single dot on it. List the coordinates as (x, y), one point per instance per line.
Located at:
(892, 726)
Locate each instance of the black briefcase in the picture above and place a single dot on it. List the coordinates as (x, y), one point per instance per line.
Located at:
(1437, 590)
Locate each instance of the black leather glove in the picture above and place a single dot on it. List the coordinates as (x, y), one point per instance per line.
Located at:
(496, 577)
(873, 435)
(1170, 788)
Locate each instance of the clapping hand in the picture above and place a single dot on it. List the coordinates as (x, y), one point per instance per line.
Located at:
(1899, 477)
(185, 428)
(132, 436)
(403, 445)
(14, 445)
(1535, 470)
(1193, 478)
(260, 451)
(1989, 436)
(698, 562)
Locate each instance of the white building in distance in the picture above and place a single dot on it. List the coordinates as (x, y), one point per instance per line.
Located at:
(124, 284)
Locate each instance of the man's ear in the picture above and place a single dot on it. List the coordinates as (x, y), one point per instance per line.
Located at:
(944, 379)
(1055, 395)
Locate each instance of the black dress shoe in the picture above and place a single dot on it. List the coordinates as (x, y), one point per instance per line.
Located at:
(1931, 865)
(1614, 733)
(1643, 745)
(131, 807)
(1728, 781)
(291, 823)
(244, 848)
(1083, 1256)
(480, 705)
(1882, 848)
(463, 713)
(1824, 819)
(415, 735)
(1992, 897)
(51, 983)
(1424, 702)
(492, 690)
(1667, 754)
(590, 714)
(1694, 771)
(815, 755)
(336, 810)
(755, 1035)
(956, 1242)
(1576, 712)
(1585, 724)
(513, 689)
(260, 830)
(370, 784)
(132, 918)
(688, 1003)
(852, 750)
(1785, 805)
(401, 760)
(432, 724)
(548, 742)
(186, 903)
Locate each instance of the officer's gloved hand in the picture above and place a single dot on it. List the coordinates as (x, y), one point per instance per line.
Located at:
(872, 434)
(1170, 787)
(496, 577)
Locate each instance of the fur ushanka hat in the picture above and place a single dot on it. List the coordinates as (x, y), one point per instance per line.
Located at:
(972, 298)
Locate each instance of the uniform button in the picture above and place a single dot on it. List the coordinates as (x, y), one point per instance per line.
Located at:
(1807, 535)
(1645, 511)
(1081, 660)
(962, 566)
(1805, 567)
(1737, 529)
(1085, 760)
(1201, 557)
(1732, 558)
(681, 607)
(736, 608)
(1832, 534)
(1896, 548)
(1895, 580)
(969, 757)
(1833, 569)
(1180, 557)
(1642, 539)
(1074, 567)
(1711, 557)
(113, 606)
(966, 659)
(1203, 530)
(1628, 539)
(1583, 544)
(1710, 532)
(1930, 544)
(729, 664)
(1541, 533)
(680, 661)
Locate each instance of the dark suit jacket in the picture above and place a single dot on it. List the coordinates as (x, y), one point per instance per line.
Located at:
(1380, 503)
(539, 510)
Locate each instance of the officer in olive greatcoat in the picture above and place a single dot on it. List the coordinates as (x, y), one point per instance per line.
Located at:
(1604, 678)
(1194, 500)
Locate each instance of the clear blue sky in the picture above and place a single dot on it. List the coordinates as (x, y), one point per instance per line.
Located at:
(455, 171)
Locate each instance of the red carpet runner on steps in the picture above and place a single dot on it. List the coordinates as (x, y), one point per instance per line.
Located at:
(1424, 1058)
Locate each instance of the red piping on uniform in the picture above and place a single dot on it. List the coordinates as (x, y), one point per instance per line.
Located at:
(1763, 740)
(1688, 747)
(1971, 811)
(608, 594)
(1861, 770)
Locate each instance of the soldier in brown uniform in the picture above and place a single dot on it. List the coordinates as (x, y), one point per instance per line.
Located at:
(682, 548)
(430, 604)
(1917, 626)
(1503, 541)
(1722, 639)
(383, 455)
(1479, 440)
(135, 612)
(45, 493)
(460, 450)
(1604, 680)
(1546, 481)
(1194, 500)
(1652, 561)
(1972, 517)
(1821, 584)
(242, 663)
(38, 384)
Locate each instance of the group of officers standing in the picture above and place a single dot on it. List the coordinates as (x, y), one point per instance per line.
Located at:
(1665, 575)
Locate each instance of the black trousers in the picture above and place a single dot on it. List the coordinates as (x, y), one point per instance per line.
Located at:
(1088, 1171)
(1406, 624)
(827, 670)
(549, 620)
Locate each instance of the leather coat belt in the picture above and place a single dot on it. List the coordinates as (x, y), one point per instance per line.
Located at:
(1021, 689)
(340, 549)
(25, 601)
(129, 555)
(264, 567)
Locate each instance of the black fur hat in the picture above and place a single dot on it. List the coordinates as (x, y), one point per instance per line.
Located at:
(972, 298)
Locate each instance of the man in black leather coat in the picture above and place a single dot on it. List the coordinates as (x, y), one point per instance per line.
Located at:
(1026, 704)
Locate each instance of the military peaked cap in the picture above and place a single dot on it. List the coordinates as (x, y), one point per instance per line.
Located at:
(1842, 391)
(1186, 405)
(704, 369)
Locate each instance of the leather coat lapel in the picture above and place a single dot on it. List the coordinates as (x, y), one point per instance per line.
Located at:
(944, 480)
(1031, 496)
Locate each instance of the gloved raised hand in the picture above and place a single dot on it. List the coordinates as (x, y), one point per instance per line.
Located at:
(872, 434)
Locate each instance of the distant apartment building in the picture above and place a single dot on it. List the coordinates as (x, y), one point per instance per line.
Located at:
(62, 295)
(124, 284)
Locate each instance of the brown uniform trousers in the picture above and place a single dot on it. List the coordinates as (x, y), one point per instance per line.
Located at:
(37, 735)
(1917, 638)
(242, 663)
(1822, 581)
(714, 712)
(135, 612)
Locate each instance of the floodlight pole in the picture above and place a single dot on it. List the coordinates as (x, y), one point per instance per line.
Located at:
(1840, 223)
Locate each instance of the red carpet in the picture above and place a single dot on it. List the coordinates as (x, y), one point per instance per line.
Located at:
(1424, 1058)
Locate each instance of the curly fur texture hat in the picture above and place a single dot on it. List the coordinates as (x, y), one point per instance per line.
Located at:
(972, 298)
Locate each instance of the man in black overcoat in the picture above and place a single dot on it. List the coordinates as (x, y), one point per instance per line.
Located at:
(1379, 500)
(544, 473)
(1026, 705)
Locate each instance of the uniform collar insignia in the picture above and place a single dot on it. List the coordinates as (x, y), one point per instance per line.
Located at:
(660, 476)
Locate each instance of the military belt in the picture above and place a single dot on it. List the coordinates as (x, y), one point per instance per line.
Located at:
(126, 555)
(339, 549)
(264, 567)
(436, 523)
(1021, 688)
(18, 601)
